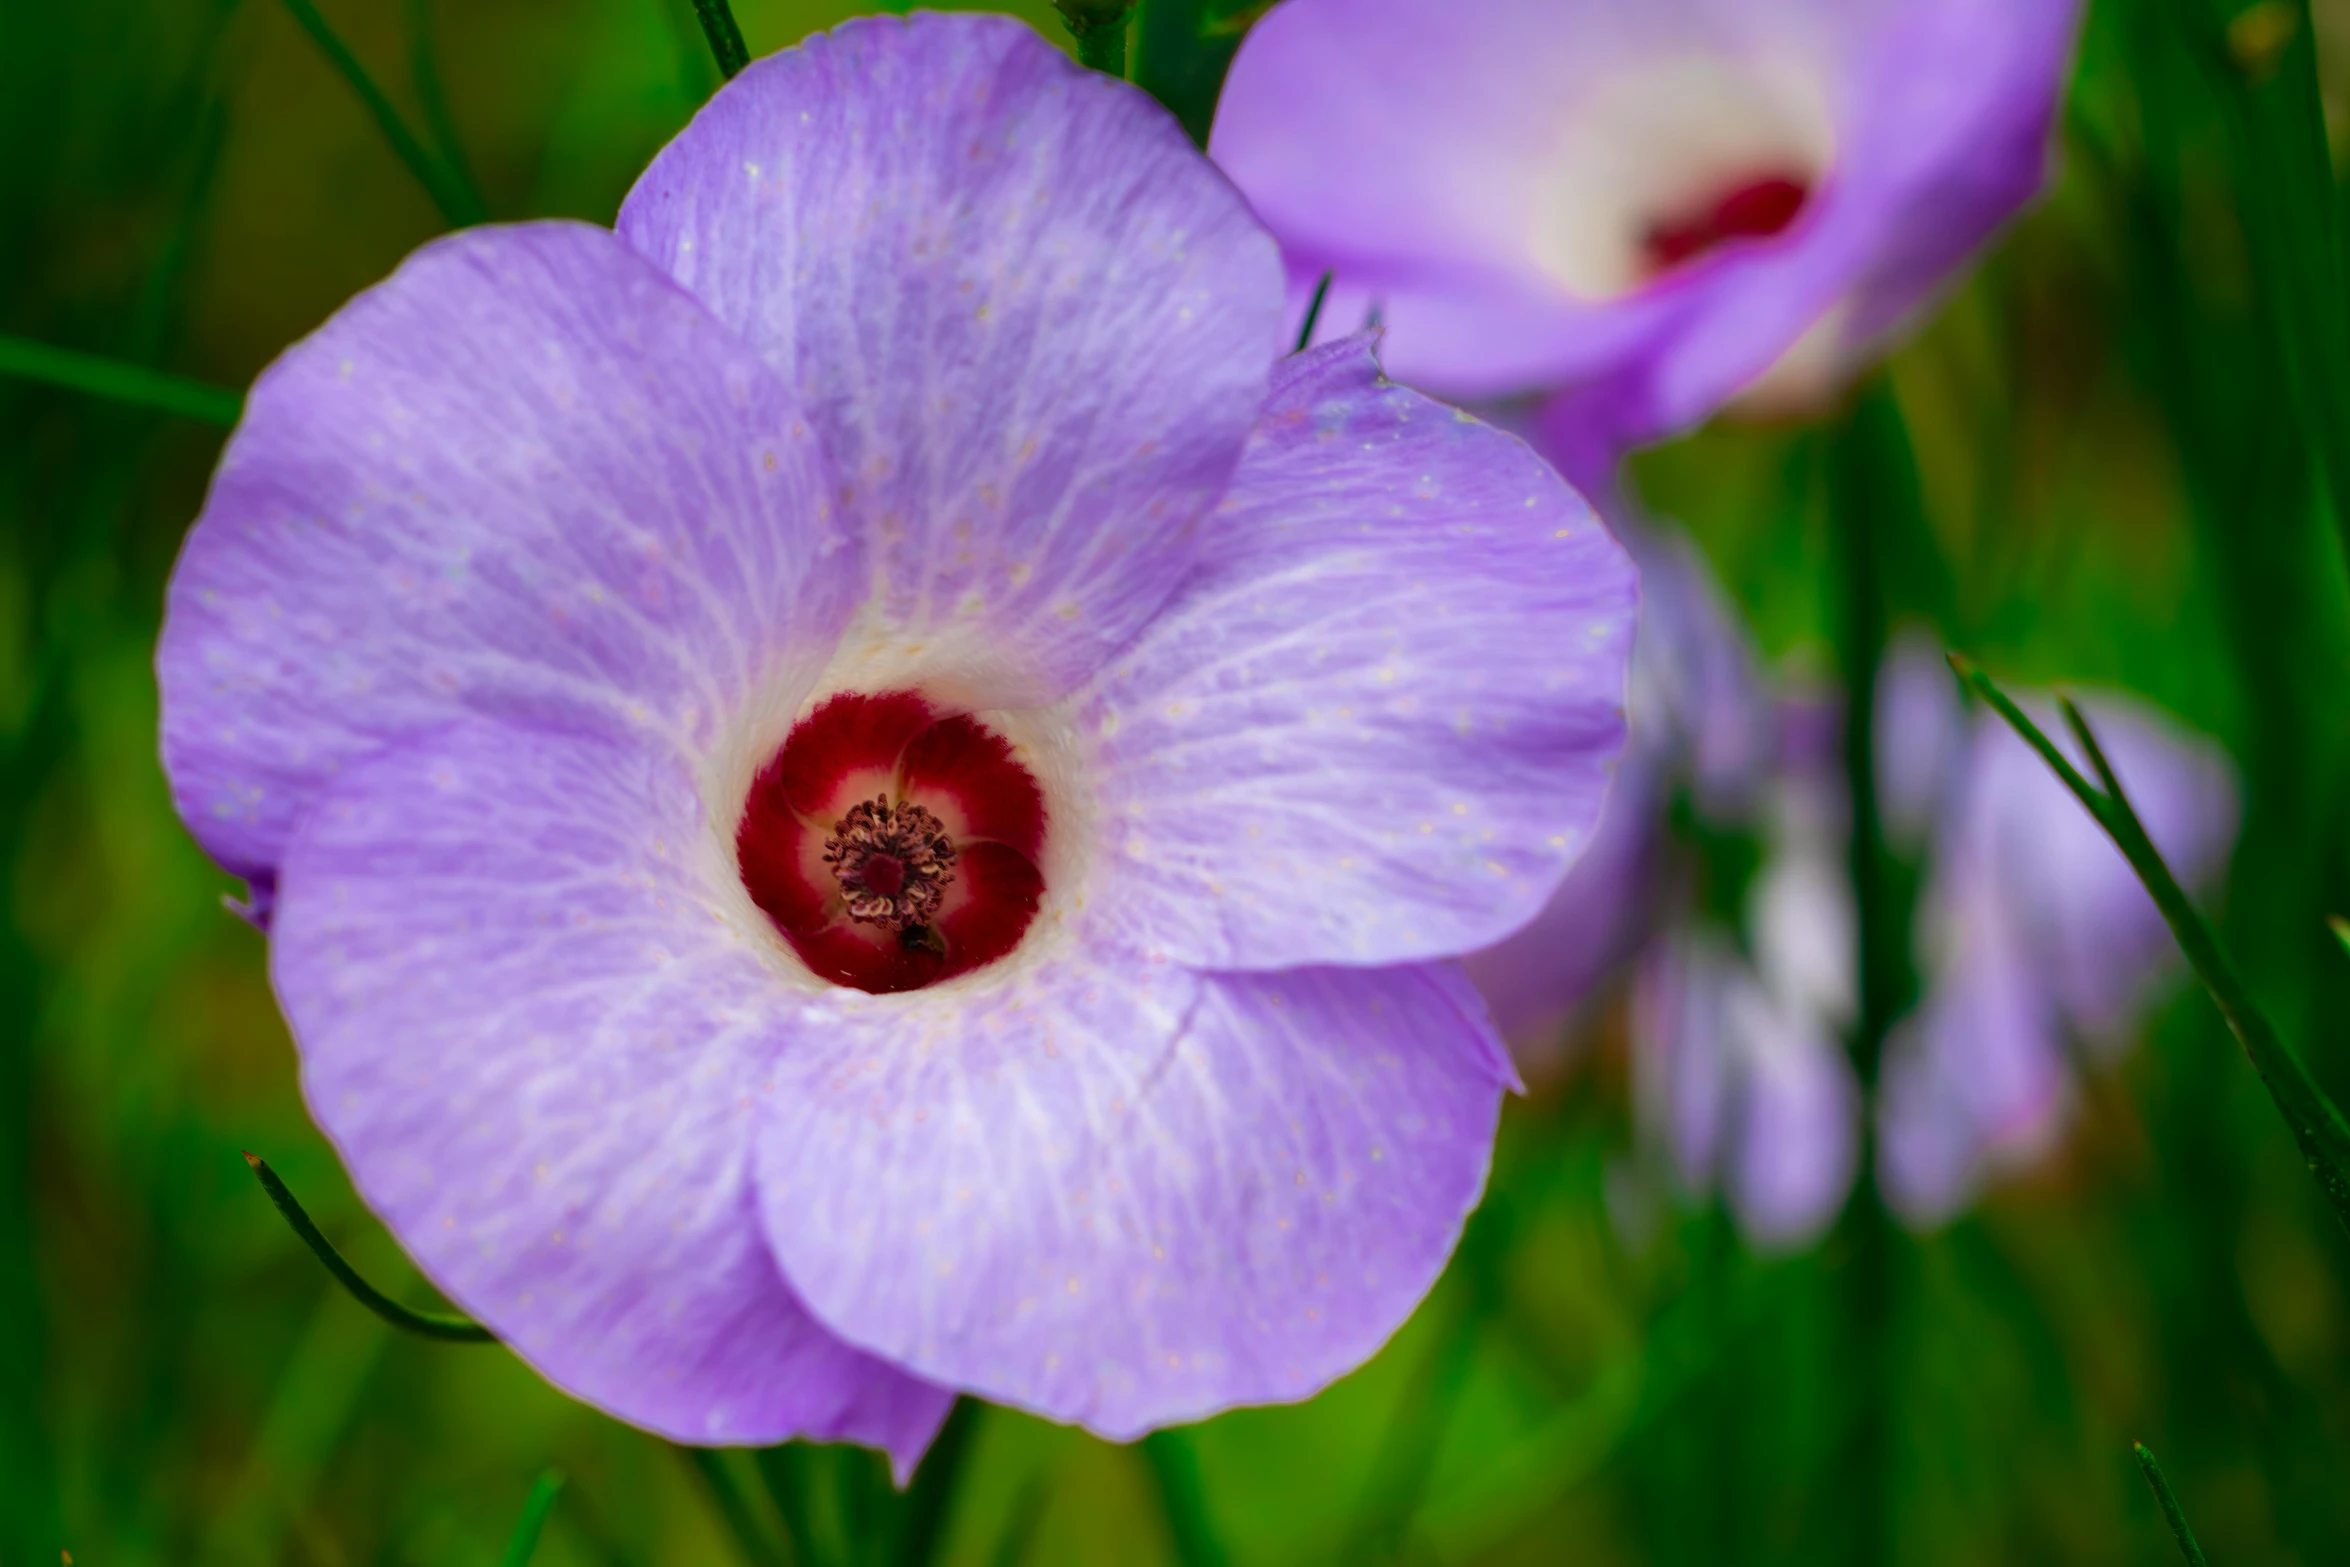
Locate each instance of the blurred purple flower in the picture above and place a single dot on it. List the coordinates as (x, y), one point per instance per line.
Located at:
(1745, 1086)
(921, 421)
(1654, 204)
(2032, 932)
(1700, 721)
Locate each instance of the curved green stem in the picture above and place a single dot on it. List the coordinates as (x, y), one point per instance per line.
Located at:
(2317, 1126)
(431, 1324)
(460, 204)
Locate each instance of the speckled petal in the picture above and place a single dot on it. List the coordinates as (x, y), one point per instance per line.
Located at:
(1127, 1195)
(1379, 723)
(542, 1035)
(525, 478)
(1031, 323)
(1608, 906)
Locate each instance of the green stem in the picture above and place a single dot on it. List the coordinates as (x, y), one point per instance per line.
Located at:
(431, 1324)
(726, 38)
(123, 383)
(2316, 1125)
(1176, 1468)
(2169, 1504)
(461, 205)
(1099, 26)
(1873, 491)
(424, 69)
(735, 1509)
(525, 1539)
(1182, 50)
(784, 1471)
(2261, 63)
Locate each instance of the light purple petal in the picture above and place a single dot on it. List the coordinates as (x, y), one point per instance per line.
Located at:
(1483, 173)
(1601, 914)
(1696, 688)
(1800, 921)
(2088, 928)
(1378, 723)
(1030, 323)
(1682, 1066)
(1699, 716)
(1795, 1140)
(1745, 1088)
(1128, 1195)
(1976, 1079)
(543, 1036)
(525, 478)
(1921, 737)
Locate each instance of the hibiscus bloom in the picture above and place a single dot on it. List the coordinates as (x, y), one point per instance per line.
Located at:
(858, 792)
(1653, 203)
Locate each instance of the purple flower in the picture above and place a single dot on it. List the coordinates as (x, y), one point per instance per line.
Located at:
(865, 796)
(1700, 721)
(1746, 1086)
(1655, 204)
(2033, 931)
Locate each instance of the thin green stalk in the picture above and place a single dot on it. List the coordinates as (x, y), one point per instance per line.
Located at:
(1011, 1546)
(1175, 1466)
(525, 1539)
(120, 382)
(1305, 331)
(461, 205)
(424, 69)
(1873, 494)
(734, 1509)
(784, 1471)
(2169, 1504)
(2260, 60)
(1099, 26)
(2316, 1125)
(1872, 490)
(726, 38)
(431, 1324)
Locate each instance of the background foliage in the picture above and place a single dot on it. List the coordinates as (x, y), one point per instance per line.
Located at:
(2118, 486)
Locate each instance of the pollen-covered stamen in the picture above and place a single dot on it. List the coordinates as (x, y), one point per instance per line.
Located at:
(894, 863)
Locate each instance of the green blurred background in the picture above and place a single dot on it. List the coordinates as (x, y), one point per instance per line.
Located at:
(2116, 489)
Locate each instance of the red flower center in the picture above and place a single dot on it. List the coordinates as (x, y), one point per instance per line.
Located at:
(893, 846)
(1757, 209)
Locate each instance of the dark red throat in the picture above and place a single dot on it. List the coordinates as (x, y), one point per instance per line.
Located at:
(1756, 209)
(892, 845)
